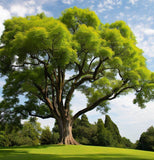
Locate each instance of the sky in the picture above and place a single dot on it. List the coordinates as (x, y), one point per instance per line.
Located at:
(138, 14)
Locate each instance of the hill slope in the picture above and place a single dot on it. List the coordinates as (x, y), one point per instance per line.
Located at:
(80, 152)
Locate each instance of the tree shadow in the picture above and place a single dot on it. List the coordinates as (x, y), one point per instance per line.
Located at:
(33, 147)
(23, 155)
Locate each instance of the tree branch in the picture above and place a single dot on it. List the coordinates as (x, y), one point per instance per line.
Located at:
(40, 116)
(114, 93)
(90, 107)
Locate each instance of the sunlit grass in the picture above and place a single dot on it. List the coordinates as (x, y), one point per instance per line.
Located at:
(81, 152)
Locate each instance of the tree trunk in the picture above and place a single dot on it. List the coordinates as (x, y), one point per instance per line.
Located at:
(65, 129)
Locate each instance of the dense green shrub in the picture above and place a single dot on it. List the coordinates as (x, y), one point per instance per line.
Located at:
(46, 136)
(4, 141)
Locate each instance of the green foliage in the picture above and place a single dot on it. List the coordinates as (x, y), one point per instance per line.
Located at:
(87, 38)
(55, 134)
(84, 121)
(4, 141)
(113, 129)
(84, 132)
(126, 143)
(73, 17)
(124, 30)
(55, 138)
(104, 137)
(146, 141)
(46, 136)
(28, 135)
(100, 132)
(77, 36)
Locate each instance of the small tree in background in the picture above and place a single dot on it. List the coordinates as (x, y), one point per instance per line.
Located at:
(4, 141)
(46, 136)
(55, 133)
(104, 137)
(113, 129)
(126, 143)
(28, 135)
(100, 132)
(83, 129)
(146, 141)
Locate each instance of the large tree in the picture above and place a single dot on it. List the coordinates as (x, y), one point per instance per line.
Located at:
(46, 60)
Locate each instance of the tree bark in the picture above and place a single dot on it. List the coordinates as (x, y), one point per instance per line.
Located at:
(65, 130)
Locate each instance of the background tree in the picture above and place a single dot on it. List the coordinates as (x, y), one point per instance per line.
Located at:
(4, 141)
(46, 136)
(83, 131)
(28, 135)
(114, 131)
(55, 133)
(102, 61)
(126, 143)
(9, 119)
(146, 141)
(100, 132)
(104, 136)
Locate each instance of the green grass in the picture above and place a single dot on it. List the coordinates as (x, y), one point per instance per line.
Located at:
(57, 152)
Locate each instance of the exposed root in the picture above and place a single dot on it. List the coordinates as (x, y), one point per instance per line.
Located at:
(69, 140)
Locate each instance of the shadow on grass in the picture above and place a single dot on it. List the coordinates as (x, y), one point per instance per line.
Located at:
(23, 155)
(33, 147)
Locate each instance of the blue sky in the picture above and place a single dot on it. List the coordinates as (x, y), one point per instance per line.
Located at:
(139, 15)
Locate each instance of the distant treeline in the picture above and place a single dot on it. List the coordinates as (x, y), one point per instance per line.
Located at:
(100, 134)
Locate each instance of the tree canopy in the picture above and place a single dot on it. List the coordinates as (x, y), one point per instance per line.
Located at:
(46, 60)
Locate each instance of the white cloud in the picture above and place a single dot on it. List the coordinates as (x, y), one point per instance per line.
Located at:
(4, 14)
(21, 10)
(91, 7)
(106, 16)
(145, 38)
(47, 122)
(30, 2)
(138, 30)
(39, 9)
(148, 47)
(149, 31)
(101, 7)
(150, 18)
(2, 83)
(71, 1)
(120, 16)
(112, 2)
(131, 120)
(133, 1)
(1, 99)
(44, 122)
(127, 7)
(67, 1)
(30, 7)
(91, 1)
(108, 4)
(78, 102)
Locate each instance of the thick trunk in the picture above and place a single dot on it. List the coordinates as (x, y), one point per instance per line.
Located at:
(66, 137)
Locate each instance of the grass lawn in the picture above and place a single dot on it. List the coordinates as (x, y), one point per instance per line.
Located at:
(80, 152)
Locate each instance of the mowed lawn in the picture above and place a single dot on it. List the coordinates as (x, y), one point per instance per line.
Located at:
(80, 152)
